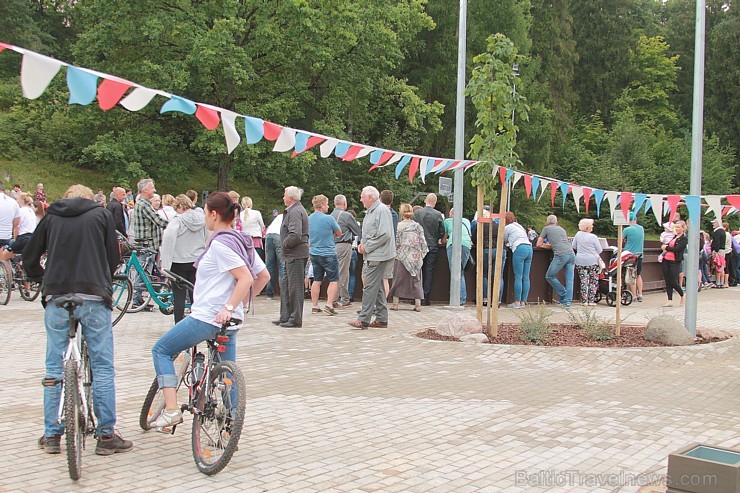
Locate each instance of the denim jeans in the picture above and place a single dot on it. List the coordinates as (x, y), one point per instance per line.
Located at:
(493, 267)
(186, 334)
(704, 266)
(147, 261)
(352, 268)
(430, 260)
(273, 254)
(560, 262)
(464, 255)
(521, 263)
(95, 319)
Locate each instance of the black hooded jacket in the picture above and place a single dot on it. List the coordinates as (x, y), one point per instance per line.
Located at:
(79, 237)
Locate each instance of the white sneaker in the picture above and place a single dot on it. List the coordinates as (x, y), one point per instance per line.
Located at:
(168, 417)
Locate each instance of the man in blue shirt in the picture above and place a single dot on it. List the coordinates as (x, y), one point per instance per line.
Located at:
(322, 228)
(634, 238)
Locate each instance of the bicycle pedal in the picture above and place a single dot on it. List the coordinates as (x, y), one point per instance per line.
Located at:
(168, 430)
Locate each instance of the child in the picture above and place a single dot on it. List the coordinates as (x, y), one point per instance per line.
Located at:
(669, 232)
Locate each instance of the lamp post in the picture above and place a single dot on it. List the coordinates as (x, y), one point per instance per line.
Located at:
(457, 202)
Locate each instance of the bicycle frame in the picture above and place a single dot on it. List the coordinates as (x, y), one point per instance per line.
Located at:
(73, 353)
(157, 296)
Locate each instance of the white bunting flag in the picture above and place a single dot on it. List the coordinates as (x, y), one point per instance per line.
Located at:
(327, 147)
(37, 72)
(138, 98)
(656, 202)
(611, 197)
(228, 119)
(286, 140)
(517, 177)
(715, 205)
(577, 193)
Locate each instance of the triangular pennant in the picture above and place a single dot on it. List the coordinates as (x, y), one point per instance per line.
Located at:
(449, 164)
(3, 46)
(535, 186)
(517, 177)
(564, 186)
(402, 164)
(232, 136)
(436, 164)
(426, 164)
(577, 193)
(328, 147)
(301, 140)
(733, 200)
(656, 202)
(728, 210)
(341, 148)
(553, 190)
(352, 153)
(254, 128)
(207, 116)
(286, 140)
(528, 185)
(272, 131)
(110, 93)
(138, 98)
(396, 157)
(37, 72)
(83, 86)
(544, 184)
(625, 200)
(672, 202)
(494, 170)
(611, 198)
(715, 205)
(509, 174)
(176, 103)
(364, 151)
(471, 164)
(502, 174)
(382, 160)
(598, 196)
(639, 199)
(693, 204)
(586, 197)
(413, 168)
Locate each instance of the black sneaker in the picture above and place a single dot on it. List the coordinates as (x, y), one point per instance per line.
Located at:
(51, 445)
(112, 444)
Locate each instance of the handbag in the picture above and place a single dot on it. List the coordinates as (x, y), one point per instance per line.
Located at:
(471, 264)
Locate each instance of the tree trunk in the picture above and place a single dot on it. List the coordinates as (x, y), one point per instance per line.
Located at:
(223, 173)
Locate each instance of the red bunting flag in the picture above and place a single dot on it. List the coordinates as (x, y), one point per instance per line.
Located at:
(352, 153)
(586, 197)
(383, 159)
(3, 46)
(208, 117)
(625, 200)
(272, 131)
(673, 201)
(528, 184)
(110, 93)
(734, 201)
(413, 168)
(555, 185)
(502, 174)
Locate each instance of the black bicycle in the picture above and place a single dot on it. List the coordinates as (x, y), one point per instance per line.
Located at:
(216, 399)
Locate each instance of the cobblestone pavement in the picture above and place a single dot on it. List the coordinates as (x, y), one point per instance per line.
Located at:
(331, 409)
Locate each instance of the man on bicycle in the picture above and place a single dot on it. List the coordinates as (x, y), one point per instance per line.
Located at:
(79, 238)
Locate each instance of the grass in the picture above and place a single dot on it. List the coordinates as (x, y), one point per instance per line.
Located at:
(534, 324)
(28, 170)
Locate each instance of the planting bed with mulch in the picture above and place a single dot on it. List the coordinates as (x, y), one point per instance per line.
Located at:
(566, 335)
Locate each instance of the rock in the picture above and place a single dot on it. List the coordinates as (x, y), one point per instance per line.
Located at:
(458, 325)
(477, 338)
(710, 333)
(668, 331)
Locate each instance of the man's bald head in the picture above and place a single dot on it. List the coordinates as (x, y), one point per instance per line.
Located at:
(431, 200)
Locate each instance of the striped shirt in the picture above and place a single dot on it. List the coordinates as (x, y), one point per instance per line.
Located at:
(147, 224)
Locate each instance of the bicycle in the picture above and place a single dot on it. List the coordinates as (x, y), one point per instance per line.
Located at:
(157, 290)
(20, 278)
(75, 404)
(5, 284)
(216, 399)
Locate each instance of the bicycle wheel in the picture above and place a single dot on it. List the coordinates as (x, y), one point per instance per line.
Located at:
(74, 428)
(87, 380)
(4, 285)
(122, 293)
(154, 400)
(218, 426)
(34, 289)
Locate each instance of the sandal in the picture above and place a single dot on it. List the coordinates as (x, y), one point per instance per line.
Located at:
(358, 324)
(394, 307)
(417, 308)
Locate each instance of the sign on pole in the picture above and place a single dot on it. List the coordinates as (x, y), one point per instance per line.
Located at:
(445, 186)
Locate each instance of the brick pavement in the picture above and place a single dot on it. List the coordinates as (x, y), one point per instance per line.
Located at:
(330, 409)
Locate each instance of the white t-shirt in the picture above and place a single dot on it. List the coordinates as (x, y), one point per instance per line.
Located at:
(9, 210)
(214, 283)
(27, 223)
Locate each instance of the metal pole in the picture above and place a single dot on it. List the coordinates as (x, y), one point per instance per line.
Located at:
(457, 202)
(515, 69)
(697, 132)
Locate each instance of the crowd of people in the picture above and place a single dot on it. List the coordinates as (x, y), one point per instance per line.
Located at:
(228, 252)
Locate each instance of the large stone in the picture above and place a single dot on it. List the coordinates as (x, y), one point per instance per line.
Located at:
(478, 338)
(458, 325)
(668, 331)
(712, 333)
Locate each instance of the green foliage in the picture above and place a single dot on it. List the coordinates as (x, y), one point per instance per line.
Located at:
(596, 327)
(534, 324)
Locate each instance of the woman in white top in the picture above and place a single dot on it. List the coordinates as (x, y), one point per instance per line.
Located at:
(168, 207)
(253, 225)
(26, 227)
(227, 271)
(588, 251)
(515, 237)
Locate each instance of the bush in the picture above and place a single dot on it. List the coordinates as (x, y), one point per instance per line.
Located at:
(596, 327)
(534, 324)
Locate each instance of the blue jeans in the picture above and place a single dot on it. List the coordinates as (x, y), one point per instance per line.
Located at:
(464, 255)
(560, 262)
(493, 266)
(521, 263)
(95, 319)
(704, 266)
(184, 335)
(273, 254)
(352, 267)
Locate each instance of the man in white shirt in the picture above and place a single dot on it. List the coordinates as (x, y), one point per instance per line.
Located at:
(10, 217)
(273, 253)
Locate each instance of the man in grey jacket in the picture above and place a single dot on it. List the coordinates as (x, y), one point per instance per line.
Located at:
(294, 240)
(378, 248)
(350, 229)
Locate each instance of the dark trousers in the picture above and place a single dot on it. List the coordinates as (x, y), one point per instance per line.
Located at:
(273, 262)
(670, 274)
(186, 271)
(430, 260)
(291, 291)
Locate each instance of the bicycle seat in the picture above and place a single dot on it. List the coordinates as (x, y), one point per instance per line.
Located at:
(68, 301)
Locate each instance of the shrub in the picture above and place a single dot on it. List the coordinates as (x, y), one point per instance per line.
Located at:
(596, 327)
(534, 324)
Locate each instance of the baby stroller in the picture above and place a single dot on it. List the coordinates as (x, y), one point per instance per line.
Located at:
(608, 279)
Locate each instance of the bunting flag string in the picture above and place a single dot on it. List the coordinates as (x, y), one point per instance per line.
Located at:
(86, 85)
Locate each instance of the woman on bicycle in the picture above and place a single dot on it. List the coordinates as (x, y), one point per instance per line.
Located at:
(227, 271)
(26, 227)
